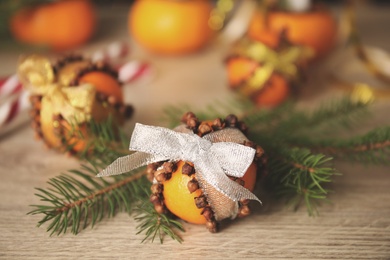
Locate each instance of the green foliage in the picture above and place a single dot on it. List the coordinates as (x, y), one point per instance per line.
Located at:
(78, 199)
(371, 147)
(298, 175)
(155, 224)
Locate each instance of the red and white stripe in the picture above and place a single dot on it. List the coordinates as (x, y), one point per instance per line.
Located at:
(112, 54)
(115, 54)
(13, 99)
(135, 70)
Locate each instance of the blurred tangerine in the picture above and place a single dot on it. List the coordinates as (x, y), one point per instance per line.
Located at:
(171, 26)
(316, 29)
(59, 25)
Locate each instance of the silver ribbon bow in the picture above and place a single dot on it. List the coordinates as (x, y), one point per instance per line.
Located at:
(212, 161)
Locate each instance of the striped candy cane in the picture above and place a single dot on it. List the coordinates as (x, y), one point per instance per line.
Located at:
(128, 72)
(112, 53)
(13, 99)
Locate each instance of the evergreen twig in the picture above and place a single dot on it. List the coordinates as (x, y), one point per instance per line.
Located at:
(155, 224)
(372, 147)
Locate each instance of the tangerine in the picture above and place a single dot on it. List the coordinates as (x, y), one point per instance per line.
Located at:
(104, 83)
(170, 26)
(274, 92)
(58, 132)
(316, 29)
(59, 25)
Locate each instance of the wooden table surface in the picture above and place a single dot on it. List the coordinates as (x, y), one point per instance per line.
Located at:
(355, 226)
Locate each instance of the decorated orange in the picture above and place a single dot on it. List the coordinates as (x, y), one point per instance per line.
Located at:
(179, 189)
(171, 26)
(68, 94)
(315, 29)
(275, 90)
(60, 25)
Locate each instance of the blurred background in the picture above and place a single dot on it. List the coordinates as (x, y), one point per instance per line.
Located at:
(206, 47)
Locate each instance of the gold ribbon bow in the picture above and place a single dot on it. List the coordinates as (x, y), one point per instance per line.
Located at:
(284, 62)
(72, 102)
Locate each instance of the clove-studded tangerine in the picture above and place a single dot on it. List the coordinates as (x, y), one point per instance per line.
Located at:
(73, 72)
(275, 90)
(179, 190)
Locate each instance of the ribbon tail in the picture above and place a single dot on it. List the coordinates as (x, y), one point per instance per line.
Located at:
(210, 171)
(236, 192)
(129, 163)
(243, 193)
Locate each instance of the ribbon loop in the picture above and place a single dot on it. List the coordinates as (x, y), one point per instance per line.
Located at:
(212, 161)
(72, 102)
(232, 157)
(284, 60)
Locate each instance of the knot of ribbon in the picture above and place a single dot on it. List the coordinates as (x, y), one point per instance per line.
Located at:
(212, 161)
(72, 102)
(284, 61)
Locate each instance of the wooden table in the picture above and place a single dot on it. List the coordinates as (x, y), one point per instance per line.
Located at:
(355, 226)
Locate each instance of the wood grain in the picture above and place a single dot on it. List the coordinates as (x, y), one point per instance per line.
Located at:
(356, 225)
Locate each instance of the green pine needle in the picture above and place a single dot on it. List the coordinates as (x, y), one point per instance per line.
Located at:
(298, 175)
(155, 224)
(78, 199)
(372, 147)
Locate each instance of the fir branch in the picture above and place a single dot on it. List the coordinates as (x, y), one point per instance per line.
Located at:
(63, 179)
(105, 140)
(372, 147)
(155, 224)
(328, 119)
(78, 199)
(298, 175)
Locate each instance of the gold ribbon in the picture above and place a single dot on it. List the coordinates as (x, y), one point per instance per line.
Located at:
(72, 102)
(283, 61)
(360, 92)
